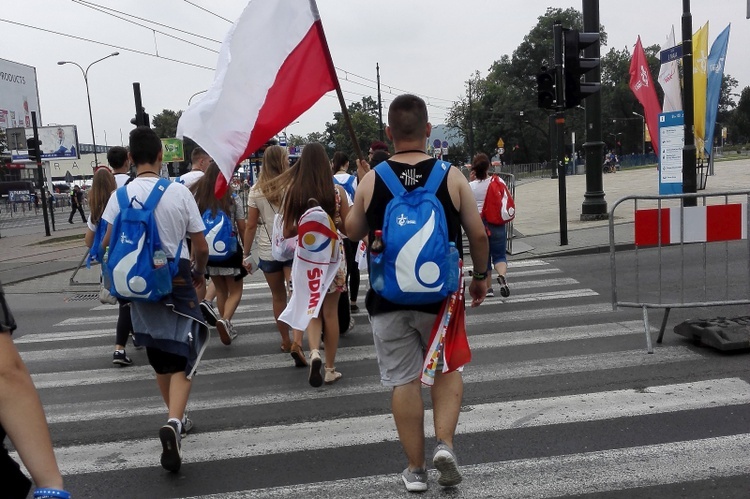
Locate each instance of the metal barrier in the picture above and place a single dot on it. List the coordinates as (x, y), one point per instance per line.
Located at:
(682, 254)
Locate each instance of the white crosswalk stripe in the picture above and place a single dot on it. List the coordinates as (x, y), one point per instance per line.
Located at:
(582, 372)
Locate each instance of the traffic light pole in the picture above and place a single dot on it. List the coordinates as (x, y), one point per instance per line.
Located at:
(40, 174)
(594, 205)
(557, 32)
(689, 180)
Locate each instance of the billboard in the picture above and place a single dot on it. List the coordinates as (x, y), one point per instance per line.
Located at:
(19, 95)
(172, 150)
(58, 142)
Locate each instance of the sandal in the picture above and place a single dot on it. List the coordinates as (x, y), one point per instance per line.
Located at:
(316, 363)
(286, 346)
(332, 375)
(298, 355)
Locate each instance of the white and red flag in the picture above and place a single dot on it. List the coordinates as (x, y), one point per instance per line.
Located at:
(273, 66)
(642, 86)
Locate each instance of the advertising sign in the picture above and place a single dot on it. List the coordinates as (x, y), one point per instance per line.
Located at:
(172, 150)
(58, 142)
(671, 142)
(18, 94)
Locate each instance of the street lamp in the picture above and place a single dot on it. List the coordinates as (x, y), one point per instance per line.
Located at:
(196, 93)
(85, 73)
(643, 136)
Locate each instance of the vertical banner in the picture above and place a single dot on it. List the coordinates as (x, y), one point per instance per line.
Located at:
(671, 143)
(643, 87)
(716, 60)
(700, 62)
(669, 79)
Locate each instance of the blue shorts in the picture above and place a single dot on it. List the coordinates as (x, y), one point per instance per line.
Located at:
(272, 266)
(498, 240)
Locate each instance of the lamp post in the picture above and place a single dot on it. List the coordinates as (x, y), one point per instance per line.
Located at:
(85, 73)
(643, 129)
(196, 93)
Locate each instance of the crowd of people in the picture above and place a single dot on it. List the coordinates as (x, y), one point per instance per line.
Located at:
(327, 209)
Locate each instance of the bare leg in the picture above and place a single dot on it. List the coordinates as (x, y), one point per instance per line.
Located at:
(408, 413)
(331, 324)
(222, 291)
(22, 417)
(175, 390)
(234, 296)
(277, 284)
(447, 393)
(313, 333)
(210, 291)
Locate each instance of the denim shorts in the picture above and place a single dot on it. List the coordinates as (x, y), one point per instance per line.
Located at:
(272, 266)
(498, 239)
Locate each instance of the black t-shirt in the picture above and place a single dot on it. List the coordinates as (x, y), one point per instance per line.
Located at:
(411, 176)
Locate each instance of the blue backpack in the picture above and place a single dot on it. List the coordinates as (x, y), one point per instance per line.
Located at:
(220, 235)
(136, 266)
(96, 252)
(416, 264)
(348, 185)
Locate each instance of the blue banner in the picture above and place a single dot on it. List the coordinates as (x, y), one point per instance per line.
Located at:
(716, 59)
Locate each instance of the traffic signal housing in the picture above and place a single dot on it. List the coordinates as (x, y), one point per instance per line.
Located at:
(34, 146)
(141, 119)
(575, 66)
(545, 89)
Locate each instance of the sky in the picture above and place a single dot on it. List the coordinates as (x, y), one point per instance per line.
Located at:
(425, 47)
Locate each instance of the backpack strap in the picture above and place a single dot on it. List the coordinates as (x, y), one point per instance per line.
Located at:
(122, 197)
(350, 182)
(156, 193)
(438, 173)
(394, 185)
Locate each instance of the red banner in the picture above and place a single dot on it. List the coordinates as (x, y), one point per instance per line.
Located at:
(642, 86)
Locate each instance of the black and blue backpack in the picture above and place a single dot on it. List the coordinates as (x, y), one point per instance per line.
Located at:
(416, 264)
(137, 266)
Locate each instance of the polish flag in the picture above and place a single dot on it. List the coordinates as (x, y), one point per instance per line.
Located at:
(642, 86)
(273, 66)
(691, 224)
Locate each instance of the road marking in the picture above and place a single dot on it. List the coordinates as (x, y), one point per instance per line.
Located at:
(356, 431)
(555, 476)
(122, 408)
(526, 263)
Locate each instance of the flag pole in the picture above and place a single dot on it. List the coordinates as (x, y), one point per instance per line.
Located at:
(340, 94)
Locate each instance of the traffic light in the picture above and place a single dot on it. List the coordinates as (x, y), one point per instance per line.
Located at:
(32, 145)
(576, 66)
(545, 89)
(141, 119)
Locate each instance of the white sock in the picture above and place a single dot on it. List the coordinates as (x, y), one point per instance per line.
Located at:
(179, 424)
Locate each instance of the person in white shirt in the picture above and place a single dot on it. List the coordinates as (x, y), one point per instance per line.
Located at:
(199, 160)
(117, 157)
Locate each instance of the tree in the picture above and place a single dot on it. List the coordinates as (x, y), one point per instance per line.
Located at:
(739, 130)
(364, 118)
(165, 123)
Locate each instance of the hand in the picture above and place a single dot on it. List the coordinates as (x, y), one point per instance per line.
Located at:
(362, 168)
(477, 291)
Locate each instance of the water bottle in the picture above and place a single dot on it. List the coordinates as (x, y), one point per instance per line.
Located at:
(451, 280)
(377, 263)
(106, 282)
(160, 259)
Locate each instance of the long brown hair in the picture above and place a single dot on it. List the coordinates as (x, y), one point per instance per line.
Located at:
(102, 186)
(203, 190)
(311, 185)
(275, 162)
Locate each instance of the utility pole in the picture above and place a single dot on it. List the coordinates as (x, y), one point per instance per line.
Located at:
(689, 182)
(471, 127)
(40, 174)
(380, 106)
(557, 35)
(594, 205)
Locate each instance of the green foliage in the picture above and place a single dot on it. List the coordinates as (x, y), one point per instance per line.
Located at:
(739, 129)
(165, 123)
(364, 118)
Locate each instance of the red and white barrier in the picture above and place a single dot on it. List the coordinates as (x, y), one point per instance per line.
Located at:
(724, 222)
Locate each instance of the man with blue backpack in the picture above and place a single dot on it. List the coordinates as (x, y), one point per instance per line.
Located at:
(148, 263)
(413, 208)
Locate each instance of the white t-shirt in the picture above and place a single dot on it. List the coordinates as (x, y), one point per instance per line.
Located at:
(479, 188)
(343, 178)
(264, 232)
(191, 177)
(121, 179)
(176, 214)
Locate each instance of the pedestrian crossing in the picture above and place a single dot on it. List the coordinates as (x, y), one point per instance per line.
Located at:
(560, 399)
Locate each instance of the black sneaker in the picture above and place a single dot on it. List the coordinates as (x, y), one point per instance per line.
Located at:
(171, 454)
(504, 289)
(209, 313)
(121, 359)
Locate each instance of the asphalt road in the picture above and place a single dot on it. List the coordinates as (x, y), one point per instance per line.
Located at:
(561, 399)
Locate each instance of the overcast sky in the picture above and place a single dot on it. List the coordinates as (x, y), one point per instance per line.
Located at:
(424, 47)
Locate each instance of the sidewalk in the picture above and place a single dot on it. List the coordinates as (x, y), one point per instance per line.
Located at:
(26, 257)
